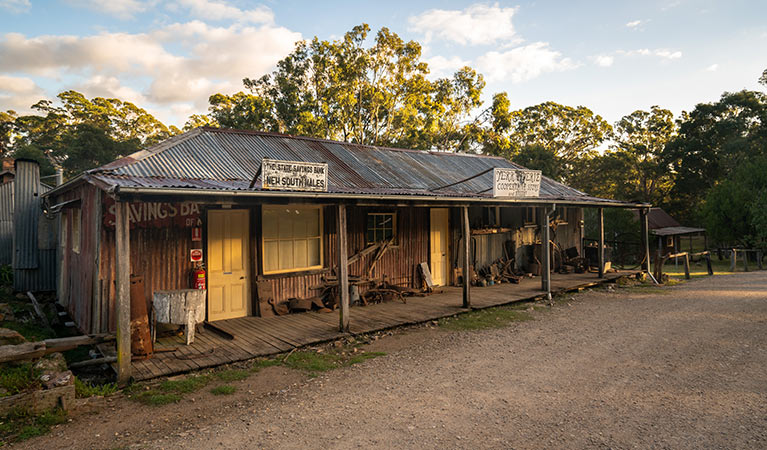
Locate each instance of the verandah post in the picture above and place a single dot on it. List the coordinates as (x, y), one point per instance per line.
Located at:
(466, 256)
(601, 250)
(343, 271)
(122, 278)
(643, 219)
(545, 252)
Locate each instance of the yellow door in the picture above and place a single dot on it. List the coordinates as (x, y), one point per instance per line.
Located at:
(228, 274)
(439, 236)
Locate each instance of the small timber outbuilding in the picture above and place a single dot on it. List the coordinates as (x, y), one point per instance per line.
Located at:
(261, 207)
(668, 232)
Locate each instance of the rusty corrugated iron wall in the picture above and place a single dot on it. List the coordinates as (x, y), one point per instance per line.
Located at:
(34, 234)
(160, 255)
(6, 223)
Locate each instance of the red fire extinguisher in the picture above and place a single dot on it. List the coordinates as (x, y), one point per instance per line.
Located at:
(198, 278)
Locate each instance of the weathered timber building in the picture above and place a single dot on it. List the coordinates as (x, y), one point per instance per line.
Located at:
(212, 195)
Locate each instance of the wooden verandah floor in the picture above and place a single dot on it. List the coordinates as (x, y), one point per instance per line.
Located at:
(256, 336)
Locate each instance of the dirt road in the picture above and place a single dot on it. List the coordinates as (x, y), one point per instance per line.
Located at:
(678, 367)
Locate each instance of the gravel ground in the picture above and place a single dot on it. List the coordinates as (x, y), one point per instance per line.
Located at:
(676, 367)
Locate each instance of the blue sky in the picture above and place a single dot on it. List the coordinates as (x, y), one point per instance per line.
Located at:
(170, 56)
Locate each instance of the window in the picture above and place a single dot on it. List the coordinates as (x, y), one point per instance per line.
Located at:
(292, 238)
(381, 227)
(529, 215)
(76, 218)
(561, 216)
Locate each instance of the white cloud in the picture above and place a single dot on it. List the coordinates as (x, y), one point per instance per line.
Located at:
(668, 54)
(523, 63)
(477, 24)
(439, 66)
(634, 23)
(18, 93)
(182, 63)
(712, 68)
(15, 6)
(124, 9)
(659, 52)
(603, 60)
(219, 10)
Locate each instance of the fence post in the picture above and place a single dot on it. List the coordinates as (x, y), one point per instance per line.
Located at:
(745, 260)
(759, 259)
(686, 266)
(733, 260)
(708, 264)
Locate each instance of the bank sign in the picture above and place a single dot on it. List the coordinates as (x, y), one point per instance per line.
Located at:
(294, 175)
(516, 183)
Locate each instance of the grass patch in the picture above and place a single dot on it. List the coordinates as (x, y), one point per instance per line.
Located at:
(362, 357)
(485, 318)
(264, 363)
(19, 378)
(31, 331)
(224, 389)
(185, 385)
(169, 391)
(21, 425)
(84, 390)
(232, 375)
(312, 362)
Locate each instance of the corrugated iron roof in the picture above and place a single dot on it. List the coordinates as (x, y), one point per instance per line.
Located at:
(657, 218)
(674, 231)
(226, 160)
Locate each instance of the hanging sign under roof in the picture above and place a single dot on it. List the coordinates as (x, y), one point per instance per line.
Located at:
(516, 182)
(294, 175)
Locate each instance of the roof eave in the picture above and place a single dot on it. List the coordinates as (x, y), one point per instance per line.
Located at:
(130, 190)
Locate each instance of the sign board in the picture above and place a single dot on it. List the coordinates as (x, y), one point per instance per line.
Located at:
(294, 175)
(195, 255)
(196, 234)
(155, 214)
(516, 182)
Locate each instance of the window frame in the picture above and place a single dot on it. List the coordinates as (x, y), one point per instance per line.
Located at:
(321, 229)
(534, 217)
(393, 228)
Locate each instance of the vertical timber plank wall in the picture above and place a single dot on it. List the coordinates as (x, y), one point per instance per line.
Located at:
(398, 263)
(79, 267)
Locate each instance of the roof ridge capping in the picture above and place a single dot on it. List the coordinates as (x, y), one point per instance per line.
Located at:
(354, 144)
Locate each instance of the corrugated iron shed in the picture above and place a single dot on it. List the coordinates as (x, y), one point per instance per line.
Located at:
(6, 223)
(34, 235)
(222, 160)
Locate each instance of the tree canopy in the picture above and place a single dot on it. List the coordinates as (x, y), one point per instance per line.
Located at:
(342, 90)
(80, 133)
(713, 140)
